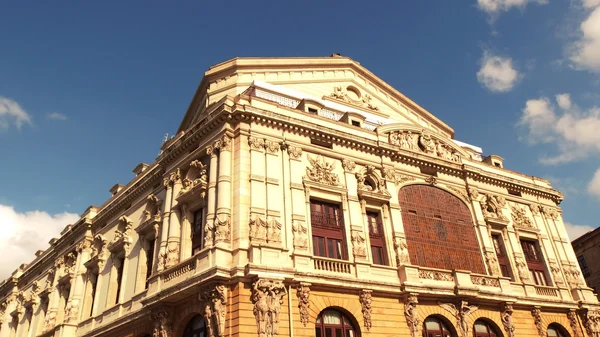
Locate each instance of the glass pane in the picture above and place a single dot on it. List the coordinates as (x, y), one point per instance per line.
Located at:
(317, 332)
(339, 249)
(338, 332)
(330, 249)
(552, 332)
(431, 324)
(480, 327)
(346, 321)
(328, 332)
(332, 317)
(349, 333)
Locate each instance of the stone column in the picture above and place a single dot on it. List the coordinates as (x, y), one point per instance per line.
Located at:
(211, 197)
(164, 234)
(174, 235)
(223, 218)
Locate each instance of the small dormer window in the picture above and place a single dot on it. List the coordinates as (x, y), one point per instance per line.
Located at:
(313, 110)
(497, 164)
(356, 123)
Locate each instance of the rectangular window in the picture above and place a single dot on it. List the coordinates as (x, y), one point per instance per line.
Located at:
(501, 254)
(93, 282)
(119, 266)
(149, 259)
(535, 261)
(583, 265)
(377, 238)
(197, 232)
(328, 230)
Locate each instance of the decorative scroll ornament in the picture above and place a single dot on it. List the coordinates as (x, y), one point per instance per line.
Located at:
(294, 152)
(591, 321)
(256, 144)
(223, 143)
(520, 217)
(537, 320)
(85, 245)
(362, 101)
(412, 315)
(265, 231)
(196, 179)
(322, 171)
(300, 234)
(366, 304)
(173, 178)
(507, 320)
(401, 249)
(348, 165)
(492, 261)
(222, 229)
(358, 244)
(70, 262)
(267, 296)
(522, 268)
(162, 323)
(435, 275)
(303, 295)
(461, 313)
(214, 302)
(572, 317)
(423, 142)
(492, 205)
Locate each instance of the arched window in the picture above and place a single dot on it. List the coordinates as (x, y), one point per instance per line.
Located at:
(555, 330)
(439, 229)
(484, 329)
(333, 323)
(434, 326)
(195, 327)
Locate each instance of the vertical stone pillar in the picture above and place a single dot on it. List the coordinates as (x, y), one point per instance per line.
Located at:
(211, 197)
(174, 235)
(162, 251)
(274, 197)
(258, 191)
(223, 218)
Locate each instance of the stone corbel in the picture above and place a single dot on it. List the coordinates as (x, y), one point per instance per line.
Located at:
(214, 303)
(365, 300)
(536, 312)
(303, 295)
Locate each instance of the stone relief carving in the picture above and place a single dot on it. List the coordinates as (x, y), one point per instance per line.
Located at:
(321, 171)
(70, 263)
(591, 321)
(431, 180)
(461, 192)
(72, 310)
(214, 302)
(123, 232)
(485, 281)
(461, 312)
(271, 147)
(400, 178)
(267, 296)
(173, 178)
(412, 315)
(222, 229)
(366, 307)
(300, 233)
(209, 232)
(196, 179)
(264, 231)
(507, 320)
(549, 212)
(573, 276)
(223, 143)
(537, 320)
(520, 217)
(473, 193)
(423, 142)
(572, 317)
(294, 152)
(555, 270)
(435, 275)
(401, 249)
(492, 261)
(535, 209)
(50, 321)
(365, 100)
(162, 323)
(492, 205)
(303, 295)
(358, 244)
(85, 245)
(99, 250)
(171, 256)
(257, 144)
(522, 269)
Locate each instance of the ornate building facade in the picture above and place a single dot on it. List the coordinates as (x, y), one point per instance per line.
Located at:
(587, 250)
(307, 197)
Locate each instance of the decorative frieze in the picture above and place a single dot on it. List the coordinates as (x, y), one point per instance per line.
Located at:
(366, 307)
(256, 144)
(401, 249)
(507, 320)
(537, 321)
(556, 274)
(362, 100)
(294, 152)
(272, 147)
(264, 231)
(435, 275)
(300, 234)
(411, 314)
(423, 142)
(267, 296)
(573, 276)
(461, 312)
(303, 294)
(321, 171)
(485, 281)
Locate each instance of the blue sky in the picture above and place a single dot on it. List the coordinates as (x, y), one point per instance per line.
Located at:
(89, 88)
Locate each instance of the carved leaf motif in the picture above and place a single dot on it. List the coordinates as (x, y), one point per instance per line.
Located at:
(520, 217)
(537, 320)
(322, 171)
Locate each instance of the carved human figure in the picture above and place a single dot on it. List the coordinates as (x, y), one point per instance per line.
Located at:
(427, 144)
(412, 315)
(401, 247)
(261, 307)
(507, 320)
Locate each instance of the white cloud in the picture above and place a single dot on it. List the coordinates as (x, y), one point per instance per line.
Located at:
(57, 116)
(25, 233)
(584, 53)
(593, 186)
(12, 113)
(576, 231)
(497, 73)
(572, 130)
(496, 7)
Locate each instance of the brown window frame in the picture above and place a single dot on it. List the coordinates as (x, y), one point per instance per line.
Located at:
(328, 236)
(345, 329)
(197, 231)
(535, 261)
(377, 238)
(501, 255)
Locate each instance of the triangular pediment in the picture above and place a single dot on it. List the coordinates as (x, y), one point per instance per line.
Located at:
(337, 82)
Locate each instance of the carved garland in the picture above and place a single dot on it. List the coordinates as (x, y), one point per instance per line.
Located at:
(264, 231)
(303, 295)
(366, 307)
(537, 320)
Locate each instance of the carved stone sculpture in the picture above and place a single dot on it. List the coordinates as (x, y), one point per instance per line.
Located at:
(412, 315)
(303, 295)
(537, 320)
(222, 229)
(492, 205)
(162, 323)
(573, 276)
(591, 321)
(267, 296)
(215, 310)
(520, 217)
(461, 313)
(572, 317)
(366, 307)
(358, 244)
(300, 234)
(401, 249)
(172, 254)
(321, 171)
(522, 269)
(492, 261)
(50, 321)
(507, 320)
(262, 231)
(556, 274)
